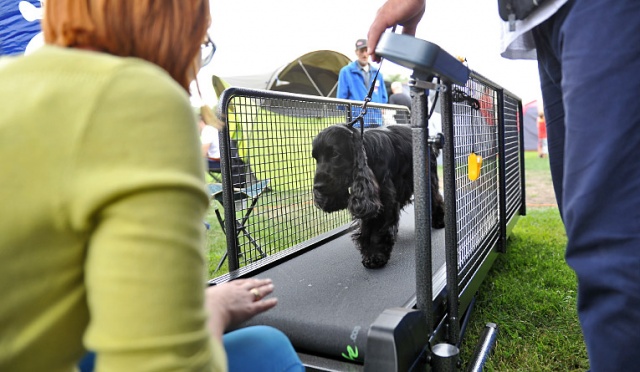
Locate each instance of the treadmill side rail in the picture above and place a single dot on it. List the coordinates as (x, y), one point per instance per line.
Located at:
(395, 340)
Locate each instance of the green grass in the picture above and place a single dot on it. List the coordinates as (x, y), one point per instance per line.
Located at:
(303, 222)
(530, 293)
(534, 163)
(216, 243)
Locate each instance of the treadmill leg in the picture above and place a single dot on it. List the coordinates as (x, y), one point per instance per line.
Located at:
(445, 357)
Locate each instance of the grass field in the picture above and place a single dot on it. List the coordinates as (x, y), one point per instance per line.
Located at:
(216, 243)
(530, 292)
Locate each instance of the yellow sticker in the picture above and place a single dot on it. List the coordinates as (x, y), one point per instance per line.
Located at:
(474, 163)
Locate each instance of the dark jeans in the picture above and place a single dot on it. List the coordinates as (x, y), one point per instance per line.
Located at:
(589, 62)
(259, 348)
(214, 165)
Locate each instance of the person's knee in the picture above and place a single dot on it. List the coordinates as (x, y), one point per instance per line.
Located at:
(274, 335)
(261, 345)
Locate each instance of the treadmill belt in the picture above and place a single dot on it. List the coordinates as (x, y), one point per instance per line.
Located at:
(327, 300)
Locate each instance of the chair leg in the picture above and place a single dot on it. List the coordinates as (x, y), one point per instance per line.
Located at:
(240, 227)
(215, 175)
(220, 220)
(251, 239)
(221, 262)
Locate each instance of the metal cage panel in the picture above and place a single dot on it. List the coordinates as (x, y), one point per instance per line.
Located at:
(479, 118)
(477, 201)
(514, 171)
(269, 136)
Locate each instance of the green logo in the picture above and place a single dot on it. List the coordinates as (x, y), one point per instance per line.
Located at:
(352, 351)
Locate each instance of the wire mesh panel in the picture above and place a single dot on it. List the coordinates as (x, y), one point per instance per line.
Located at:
(512, 147)
(478, 124)
(475, 126)
(269, 139)
(480, 120)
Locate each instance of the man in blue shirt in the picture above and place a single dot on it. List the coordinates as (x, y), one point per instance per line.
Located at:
(354, 82)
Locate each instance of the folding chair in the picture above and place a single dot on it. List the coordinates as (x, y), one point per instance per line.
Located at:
(215, 172)
(252, 193)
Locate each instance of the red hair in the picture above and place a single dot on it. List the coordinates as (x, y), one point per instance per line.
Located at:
(165, 32)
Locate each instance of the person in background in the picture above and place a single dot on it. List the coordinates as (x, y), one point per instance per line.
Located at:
(593, 133)
(108, 257)
(210, 141)
(355, 80)
(398, 96)
(543, 148)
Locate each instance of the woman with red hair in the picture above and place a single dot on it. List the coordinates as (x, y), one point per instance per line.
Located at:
(103, 197)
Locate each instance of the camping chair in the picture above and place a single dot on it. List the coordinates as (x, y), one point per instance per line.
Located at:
(251, 193)
(215, 172)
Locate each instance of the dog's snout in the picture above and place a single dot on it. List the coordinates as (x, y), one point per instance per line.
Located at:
(319, 186)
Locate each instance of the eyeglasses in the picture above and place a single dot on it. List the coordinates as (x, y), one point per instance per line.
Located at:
(207, 50)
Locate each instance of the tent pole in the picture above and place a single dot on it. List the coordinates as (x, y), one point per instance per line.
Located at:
(332, 89)
(310, 79)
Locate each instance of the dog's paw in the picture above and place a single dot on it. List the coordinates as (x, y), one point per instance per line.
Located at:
(437, 223)
(437, 216)
(375, 261)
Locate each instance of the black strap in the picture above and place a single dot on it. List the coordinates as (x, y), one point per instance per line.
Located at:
(367, 99)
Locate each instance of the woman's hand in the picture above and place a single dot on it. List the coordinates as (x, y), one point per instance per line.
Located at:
(406, 13)
(234, 302)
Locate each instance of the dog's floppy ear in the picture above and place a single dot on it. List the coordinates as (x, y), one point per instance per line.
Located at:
(364, 200)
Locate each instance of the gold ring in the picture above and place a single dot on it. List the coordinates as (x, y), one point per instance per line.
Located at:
(256, 293)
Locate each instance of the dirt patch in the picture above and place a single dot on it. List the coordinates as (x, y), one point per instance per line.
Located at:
(539, 189)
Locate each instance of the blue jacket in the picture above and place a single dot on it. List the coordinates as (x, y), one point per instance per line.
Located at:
(351, 84)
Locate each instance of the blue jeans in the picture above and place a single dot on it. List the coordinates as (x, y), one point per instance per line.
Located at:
(260, 348)
(589, 62)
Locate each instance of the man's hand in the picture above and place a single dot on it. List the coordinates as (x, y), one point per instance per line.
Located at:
(406, 13)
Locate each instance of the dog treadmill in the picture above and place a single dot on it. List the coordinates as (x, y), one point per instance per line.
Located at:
(339, 315)
(327, 300)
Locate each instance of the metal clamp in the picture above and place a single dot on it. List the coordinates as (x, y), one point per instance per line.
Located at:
(437, 140)
(427, 85)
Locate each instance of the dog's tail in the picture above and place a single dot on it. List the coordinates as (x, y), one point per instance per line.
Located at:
(364, 200)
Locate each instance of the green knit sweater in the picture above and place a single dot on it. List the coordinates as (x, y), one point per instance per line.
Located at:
(102, 200)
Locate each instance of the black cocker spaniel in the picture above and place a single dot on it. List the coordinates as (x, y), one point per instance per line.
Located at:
(374, 184)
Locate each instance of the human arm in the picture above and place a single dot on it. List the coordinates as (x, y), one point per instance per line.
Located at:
(210, 142)
(205, 149)
(406, 13)
(343, 87)
(137, 189)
